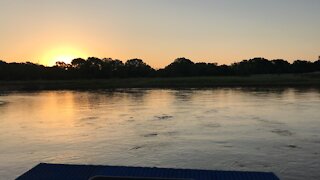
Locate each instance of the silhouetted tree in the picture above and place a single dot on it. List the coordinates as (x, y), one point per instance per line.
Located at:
(302, 66)
(113, 68)
(3, 69)
(137, 68)
(202, 69)
(225, 70)
(316, 65)
(280, 66)
(78, 63)
(180, 67)
(63, 65)
(253, 66)
(94, 67)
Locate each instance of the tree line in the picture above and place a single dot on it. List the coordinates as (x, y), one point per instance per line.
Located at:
(95, 68)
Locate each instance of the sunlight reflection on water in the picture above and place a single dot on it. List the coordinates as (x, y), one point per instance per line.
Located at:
(229, 129)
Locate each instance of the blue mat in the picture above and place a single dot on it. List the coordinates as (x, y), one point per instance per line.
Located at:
(84, 172)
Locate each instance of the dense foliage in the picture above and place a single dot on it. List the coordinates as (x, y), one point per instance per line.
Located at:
(109, 68)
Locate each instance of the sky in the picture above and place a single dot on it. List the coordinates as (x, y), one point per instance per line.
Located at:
(159, 31)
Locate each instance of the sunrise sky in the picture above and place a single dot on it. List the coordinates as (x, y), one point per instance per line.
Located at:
(158, 31)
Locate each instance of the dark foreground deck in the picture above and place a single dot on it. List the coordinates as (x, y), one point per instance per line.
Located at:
(89, 172)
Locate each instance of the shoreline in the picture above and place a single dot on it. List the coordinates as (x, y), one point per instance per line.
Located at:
(284, 80)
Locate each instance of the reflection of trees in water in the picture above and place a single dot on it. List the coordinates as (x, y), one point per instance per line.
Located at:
(95, 98)
(306, 90)
(3, 106)
(137, 94)
(278, 92)
(183, 95)
(263, 92)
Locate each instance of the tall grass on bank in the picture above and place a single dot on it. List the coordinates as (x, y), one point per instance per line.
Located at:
(287, 80)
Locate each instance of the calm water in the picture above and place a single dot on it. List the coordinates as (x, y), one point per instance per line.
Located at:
(227, 129)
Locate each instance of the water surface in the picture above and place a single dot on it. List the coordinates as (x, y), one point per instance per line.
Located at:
(274, 130)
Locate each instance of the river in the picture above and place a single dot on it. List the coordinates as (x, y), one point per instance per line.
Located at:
(246, 129)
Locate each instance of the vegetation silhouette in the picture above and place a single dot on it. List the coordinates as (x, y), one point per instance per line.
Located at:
(95, 68)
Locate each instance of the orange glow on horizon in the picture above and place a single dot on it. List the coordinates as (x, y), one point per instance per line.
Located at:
(65, 54)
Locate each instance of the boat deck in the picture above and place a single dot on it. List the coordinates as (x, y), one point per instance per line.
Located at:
(45, 171)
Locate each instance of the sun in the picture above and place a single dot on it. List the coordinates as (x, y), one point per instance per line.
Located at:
(64, 54)
(64, 58)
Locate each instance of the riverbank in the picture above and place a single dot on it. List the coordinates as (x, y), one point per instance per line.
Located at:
(287, 80)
